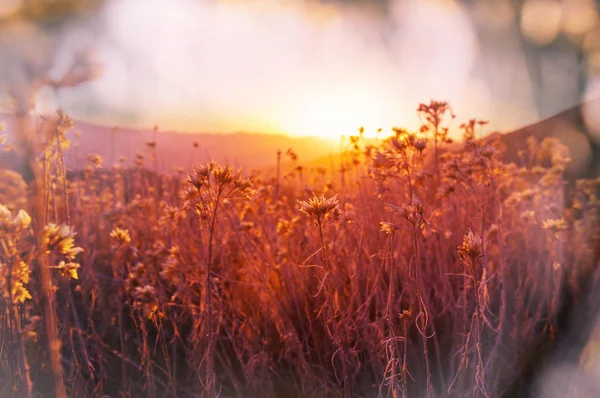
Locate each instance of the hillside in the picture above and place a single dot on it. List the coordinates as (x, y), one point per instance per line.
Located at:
(258, 151)
(571, 129)
(249, 150)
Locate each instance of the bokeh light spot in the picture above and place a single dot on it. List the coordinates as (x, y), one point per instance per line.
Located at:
(541, 21)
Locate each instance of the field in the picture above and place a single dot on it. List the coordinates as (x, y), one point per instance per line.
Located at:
(409, 270)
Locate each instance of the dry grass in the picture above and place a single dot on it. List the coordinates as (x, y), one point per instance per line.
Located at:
(412, 271)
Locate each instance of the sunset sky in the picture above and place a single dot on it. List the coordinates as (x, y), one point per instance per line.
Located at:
(314, 67)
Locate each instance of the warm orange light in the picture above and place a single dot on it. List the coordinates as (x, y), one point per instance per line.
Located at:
(337, 112)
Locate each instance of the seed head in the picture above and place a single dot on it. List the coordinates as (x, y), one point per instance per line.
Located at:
(19, 277)
(61, 239)
(388, 227)
(470, 249)
(414, 213)
(69, 269)
(555, 225)
(318, 208)
(121, 236)
(9, 223)
(144, 294)
(95, 160)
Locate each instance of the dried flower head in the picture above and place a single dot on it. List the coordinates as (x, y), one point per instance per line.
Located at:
(223, 181)
(145, 300)
(8, 223)
(405, 314)
(471, 248)
(68, 269)
(144, 294)
(318, 208)
(388, 227)
(284, 227)
(18, 274)
(121, 236)
(5, 214)
(169, 270)
(555, 225)
(95, 160)
(413, 214)
(60, 238)
(22, 220)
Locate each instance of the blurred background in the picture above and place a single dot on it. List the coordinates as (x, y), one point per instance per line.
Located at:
(299, 67)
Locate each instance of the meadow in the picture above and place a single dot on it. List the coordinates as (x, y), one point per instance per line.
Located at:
(415, 267)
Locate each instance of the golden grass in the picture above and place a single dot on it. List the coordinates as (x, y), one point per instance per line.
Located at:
(411, 271)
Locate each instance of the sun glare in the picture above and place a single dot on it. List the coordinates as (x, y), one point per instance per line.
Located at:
(333, 114)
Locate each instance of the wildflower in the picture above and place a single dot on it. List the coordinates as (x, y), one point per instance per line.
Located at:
(552, 177)
(517, 197)
(320, 207)
(381, 160)
(146, 301)
(400, 146)
(171, 216)
(283, 227)
(223, 175)
(174, 250)
(121, 236)
(413, 213)
(169, 270)
(19, 293)
(555, 225)
(470, 247)
(5, 213)
(199, 176)
(528, 215)
(95, 160)
(528, 194)
(420, 145)
(388, 227)
(243, 186)
(144, 294)
(6, 219)
(19, 275)
(139, 269)
(22, 220)
(61, 239)
(68, 270)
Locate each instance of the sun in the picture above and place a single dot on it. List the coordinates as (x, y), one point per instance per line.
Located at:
(335, 113)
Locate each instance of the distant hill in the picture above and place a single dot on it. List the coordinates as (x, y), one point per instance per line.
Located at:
(248, 150)
(259, 151)
(574, 127)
